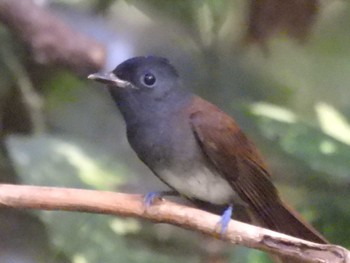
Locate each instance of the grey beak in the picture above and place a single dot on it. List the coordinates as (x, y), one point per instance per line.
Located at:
(110, 79)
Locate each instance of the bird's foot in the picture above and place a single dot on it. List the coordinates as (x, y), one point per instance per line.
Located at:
(225, 220)
(152, 196)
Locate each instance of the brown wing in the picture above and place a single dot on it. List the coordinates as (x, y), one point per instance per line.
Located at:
(232, 153)
(238, 161)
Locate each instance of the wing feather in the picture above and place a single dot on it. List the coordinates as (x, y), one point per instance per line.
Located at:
(237, 160)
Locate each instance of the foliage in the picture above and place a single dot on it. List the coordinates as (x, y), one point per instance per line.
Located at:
(324, 149)
(82, 142)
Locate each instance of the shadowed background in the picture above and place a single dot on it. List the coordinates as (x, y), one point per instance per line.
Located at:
(281, 69)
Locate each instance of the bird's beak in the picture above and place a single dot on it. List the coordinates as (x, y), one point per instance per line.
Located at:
(110, 79)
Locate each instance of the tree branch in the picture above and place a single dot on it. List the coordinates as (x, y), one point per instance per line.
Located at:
(51, 198)
(51, 41)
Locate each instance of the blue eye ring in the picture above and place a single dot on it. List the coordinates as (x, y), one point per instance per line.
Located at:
(149, 79)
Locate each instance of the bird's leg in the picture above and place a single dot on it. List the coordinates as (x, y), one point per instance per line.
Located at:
(151, 196)
(225, 219)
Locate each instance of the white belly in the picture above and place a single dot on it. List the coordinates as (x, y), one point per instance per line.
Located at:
(201, 184)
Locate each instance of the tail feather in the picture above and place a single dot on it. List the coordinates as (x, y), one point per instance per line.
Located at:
(284, 219)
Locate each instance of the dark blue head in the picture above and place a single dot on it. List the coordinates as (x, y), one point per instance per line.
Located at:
(144, 86)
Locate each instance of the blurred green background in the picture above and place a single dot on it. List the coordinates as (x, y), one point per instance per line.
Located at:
(286, 83)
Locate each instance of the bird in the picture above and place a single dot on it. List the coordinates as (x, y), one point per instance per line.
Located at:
(195, 148)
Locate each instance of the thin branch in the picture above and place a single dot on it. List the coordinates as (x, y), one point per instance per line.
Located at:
(51, 198)
(50, 39)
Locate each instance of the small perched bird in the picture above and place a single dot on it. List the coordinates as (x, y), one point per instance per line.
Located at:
(195, 148)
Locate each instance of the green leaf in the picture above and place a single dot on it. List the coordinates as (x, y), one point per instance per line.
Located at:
(61, 161)
(64, 161)
(333, 123)
(304, 141)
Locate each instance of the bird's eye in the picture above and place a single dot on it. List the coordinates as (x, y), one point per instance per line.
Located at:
(149, 79)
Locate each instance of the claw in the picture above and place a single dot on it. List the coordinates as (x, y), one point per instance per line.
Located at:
(150, 197)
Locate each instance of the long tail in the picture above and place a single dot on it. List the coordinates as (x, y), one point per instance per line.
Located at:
(284, 219)
(278, 217)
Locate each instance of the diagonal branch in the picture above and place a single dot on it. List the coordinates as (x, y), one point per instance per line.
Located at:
(67, 199)
(51, 41)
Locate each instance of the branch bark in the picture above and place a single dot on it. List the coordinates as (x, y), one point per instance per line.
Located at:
(162, 211)
(51, 41)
